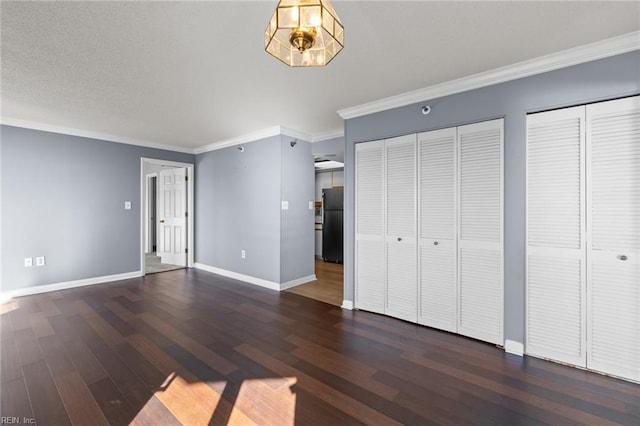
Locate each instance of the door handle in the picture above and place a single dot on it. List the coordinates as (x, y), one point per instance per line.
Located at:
(435, 243)
(162, 221)
(622, 257)
(399, 239)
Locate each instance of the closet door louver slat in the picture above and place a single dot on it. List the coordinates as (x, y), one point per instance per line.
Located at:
(401, 300)
(480, 231)
(555, 236)
(613, 170)
(437, 229)
(370, 224)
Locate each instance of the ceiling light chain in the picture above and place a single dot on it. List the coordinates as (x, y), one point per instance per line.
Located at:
(304, 33)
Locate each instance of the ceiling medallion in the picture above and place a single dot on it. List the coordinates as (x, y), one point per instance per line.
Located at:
(304, 33)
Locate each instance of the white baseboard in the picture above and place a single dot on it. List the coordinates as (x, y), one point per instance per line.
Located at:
(347, 304)
(237, 276)
(8, 295)
(299, 281)
(513, 347)
(254, 280)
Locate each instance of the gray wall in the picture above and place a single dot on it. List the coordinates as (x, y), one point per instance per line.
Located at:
(329, 146)
(238, 208)
(297, 223)
(63, 198)
(598, 80)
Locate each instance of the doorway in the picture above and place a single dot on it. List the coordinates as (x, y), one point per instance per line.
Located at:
(329, 183)
(166, 215)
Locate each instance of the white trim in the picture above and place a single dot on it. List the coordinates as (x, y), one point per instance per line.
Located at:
(299, 281)
(8, 121)
(285, 131)
(334, 134)
(237, 276)
(347, 304)
(272, 285)
(5, 296)
(566, 58)
(513, 347)
(238, 140)
(190, 197)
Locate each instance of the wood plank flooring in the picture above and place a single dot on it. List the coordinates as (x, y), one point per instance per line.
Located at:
(189, 347)
(328, 287)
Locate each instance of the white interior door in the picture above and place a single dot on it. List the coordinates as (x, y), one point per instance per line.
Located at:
(400, 239)
(480, 257)
(172, 216)
(437, 212)
(556, 269)
(613, 176)
(370, 265)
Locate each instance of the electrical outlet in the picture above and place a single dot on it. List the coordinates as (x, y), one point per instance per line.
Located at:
(40, 261)
(243, 254)
(127, 205)
(28, 261)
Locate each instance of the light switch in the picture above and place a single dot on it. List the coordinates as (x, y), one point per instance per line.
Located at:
(40, 261)
(28, 261)
(285, 205)
(127, 205)
(310, 205)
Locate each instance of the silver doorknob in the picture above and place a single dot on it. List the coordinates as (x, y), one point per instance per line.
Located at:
(435, 243)
(162, 221)
(399, 239)
(622, 257)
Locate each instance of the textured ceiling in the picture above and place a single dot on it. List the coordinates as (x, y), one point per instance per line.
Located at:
(194, 73)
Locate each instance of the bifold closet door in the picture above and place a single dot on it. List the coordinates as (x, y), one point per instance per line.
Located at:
(400, 194)
(556, 270)
(480, 270)
(613, 277)
(437, 223)
(370, 227)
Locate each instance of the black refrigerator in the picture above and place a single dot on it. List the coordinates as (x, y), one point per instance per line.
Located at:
(332, 225)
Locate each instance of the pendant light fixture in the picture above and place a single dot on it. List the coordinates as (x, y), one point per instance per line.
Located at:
(304, 33)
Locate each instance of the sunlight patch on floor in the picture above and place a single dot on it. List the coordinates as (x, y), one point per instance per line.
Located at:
(267, 400)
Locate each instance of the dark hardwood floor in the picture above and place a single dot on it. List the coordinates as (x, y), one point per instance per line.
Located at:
(189, 347)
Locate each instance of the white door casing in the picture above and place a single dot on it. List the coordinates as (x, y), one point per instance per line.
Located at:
(437, 223)
(172, 216)
(613, 230)
(556, 269)
(480, 231)
(400, 237)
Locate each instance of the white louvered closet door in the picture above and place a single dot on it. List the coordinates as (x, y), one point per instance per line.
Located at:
(401, 268)
(370, 258)
(437, 229)
(613, 175)
(480, 302)
(555, 291)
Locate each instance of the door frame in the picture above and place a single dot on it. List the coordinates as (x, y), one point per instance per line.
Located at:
(190, 207)
(147, 211)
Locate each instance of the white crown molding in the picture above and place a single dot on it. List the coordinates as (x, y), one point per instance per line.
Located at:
(239, 140)
(285, 131)
(338, 133)
(254, 136)
(8, 295)
(8, 121)
(566, 58)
